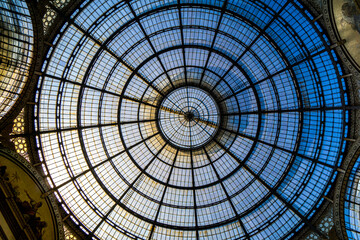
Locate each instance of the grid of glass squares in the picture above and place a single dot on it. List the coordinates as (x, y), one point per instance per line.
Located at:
(264, 68)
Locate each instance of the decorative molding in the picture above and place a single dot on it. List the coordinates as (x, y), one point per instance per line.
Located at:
(43, 187)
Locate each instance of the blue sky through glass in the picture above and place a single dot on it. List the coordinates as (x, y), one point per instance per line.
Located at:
(275, 81)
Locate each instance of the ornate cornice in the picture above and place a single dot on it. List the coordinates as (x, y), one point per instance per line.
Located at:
(42, 186)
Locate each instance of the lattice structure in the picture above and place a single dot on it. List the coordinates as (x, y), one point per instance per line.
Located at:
(19, 124)
(69, 235)
(60, 3)
(20, 145)
(313, 236)
(20, 142)
(324, 225)
(16, 45)
(352, 203)
(327, 222)
(191, 119)
(48, 18)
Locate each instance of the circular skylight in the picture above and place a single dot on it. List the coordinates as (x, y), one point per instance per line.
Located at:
(188, 117)
(191, 119)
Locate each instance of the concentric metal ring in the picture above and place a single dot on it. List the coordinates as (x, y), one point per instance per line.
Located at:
(188, 117)
(255, 76)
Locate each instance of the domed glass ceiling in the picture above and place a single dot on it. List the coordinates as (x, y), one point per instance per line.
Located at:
(188, 117)
(16, 46)
(191, 119)
(352, 203)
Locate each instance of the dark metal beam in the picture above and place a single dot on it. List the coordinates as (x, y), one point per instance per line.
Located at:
(193, 184)
(134, 99)
(262, 31)
(182, 40)
(287, 204)
(104, 47)
(163, 196)
(223, 8)
(135, 181)
(83, 127)
(93, 167)
(256, 112)
(277, 195)
(148, 40)
(227, 195)
(62, 79)
(278, 147)
(288, 68)
(299, 110)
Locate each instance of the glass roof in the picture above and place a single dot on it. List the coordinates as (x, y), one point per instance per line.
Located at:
(191, 119)
(188, 117)
(16, 44)
(352, 203)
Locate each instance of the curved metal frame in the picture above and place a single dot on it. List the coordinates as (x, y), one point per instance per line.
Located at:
(341, 188)
(301, 110)
(30, 84)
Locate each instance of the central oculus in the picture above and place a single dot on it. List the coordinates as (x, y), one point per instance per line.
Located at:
(188, 117)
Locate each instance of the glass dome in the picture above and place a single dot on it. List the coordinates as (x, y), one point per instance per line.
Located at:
(190, 119)
(16, 46)
(352, 203)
